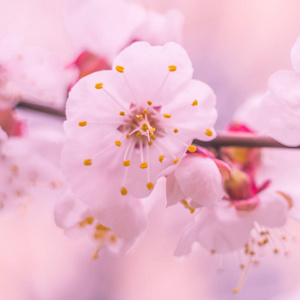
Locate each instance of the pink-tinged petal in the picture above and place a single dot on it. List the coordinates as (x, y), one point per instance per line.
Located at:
(70, 211)
(157, 29)
(295, 56)
(200, 180)
(224, 168)
(154, 73)
(102, 27)
(280, 110)
(272, 210)
(196, 101)
(218, 229)
(174, 192)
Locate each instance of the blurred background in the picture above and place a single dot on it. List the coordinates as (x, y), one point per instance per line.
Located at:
(234, 47)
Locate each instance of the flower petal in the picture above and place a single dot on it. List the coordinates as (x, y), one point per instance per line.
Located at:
(146, 71)
(295, 56)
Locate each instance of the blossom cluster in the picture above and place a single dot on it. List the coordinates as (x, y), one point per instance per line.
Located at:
(133, 114)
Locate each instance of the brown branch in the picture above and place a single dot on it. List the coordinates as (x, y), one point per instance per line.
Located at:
(237, 139)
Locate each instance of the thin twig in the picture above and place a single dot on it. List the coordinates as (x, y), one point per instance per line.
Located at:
(238, 139)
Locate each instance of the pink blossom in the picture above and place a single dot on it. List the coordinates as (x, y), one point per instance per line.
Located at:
(27, 164)
(105, 27)
(116, 227)
(196, 182)
(126, 127)
(280, 107)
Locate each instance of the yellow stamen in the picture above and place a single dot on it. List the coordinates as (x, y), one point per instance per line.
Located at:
(187, 206)
(15, 168)
(99, 86)
(118, 143)
(113, 238)
(149, 102)
(176, 130)
(90, 220)
(150, 186)
(126, 163)
(82, 124)
(208, 132)
(175, 161)
(87, 162)
(140, 117)
(167, 116)
(139, 134)
(128, 136)
(144, 165)
(172, 68)
(102, 227)
(123, 191)
(150, 143)
(120, 69)
(145, 111)
(161, 158)
(144, 127)
(122, 113)
(195, 102)
(192, 148)
(152, 137)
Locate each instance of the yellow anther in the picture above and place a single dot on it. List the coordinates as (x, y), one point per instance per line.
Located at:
(150, 143)
(87, 162)
(175, 130)
(144, 165)
(82, 124)
(161, 158)
(140, 117)
(152, 137)
(175, 161)
(144, 127)
(212, 251)
(99, 86)
(95, 255)
(90, 220)
(276, 251)
(126, 163)
(192, 148)
(187, 206)
(149, 102)
(150, 186)
(122, 113)
(151, 129)
(118, 143)
(145, 111)
(167, 116)
(139, 134)
(15, 168)
(123, 191)
(120, 69)
(128, 136)
(195, 102)
(101, 227)
(113, 238)
(208, 132)
(172, 68)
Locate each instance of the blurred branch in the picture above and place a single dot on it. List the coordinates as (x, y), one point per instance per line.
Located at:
(238, 139)
(44, 109)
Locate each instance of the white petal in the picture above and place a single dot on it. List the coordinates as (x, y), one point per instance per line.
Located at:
(272, 210)
(200, 180)
(295, 56)
(146, 70)
(280, 110)
(219, 229)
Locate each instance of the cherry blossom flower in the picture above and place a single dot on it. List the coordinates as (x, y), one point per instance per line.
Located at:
(117, 227)
(102, 28)
(127, 127)
(280, 107)
(27, 166)
(196, 182)
(32, 75)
